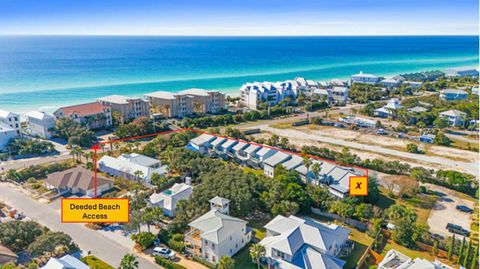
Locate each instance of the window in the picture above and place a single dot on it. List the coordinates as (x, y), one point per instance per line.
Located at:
(213, 258)
(213, 246)
(230, 238)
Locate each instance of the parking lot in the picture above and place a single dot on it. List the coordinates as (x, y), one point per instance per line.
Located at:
(444, 212)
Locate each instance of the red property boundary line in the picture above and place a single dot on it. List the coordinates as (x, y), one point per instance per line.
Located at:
(97, 147)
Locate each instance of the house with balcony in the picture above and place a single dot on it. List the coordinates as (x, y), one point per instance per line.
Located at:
(216, 234)
(93, 115)
(243, 155)
(40, 124)
(201, 143)
(215, 145)
(10, 119)
(170, 105)
(294, 162)
(389, 109)
(461, 72)
(297, 243)
(455, 118)
(167, 200)
(340, 95)
(7, 133)
(453, 95)
(235, 151)
(205, 102)
(223, 149)
(128, 107)
(273, 161)
(364, 78)
(257, 158)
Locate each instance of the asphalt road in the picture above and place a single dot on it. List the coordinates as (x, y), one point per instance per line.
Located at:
(88, 240)
(22, 163)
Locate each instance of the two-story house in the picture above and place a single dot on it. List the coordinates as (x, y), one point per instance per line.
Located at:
(454, 117)
(40, 124)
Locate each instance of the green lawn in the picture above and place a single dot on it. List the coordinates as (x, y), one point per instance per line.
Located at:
(96, 263)
(355, 255)
(243, 259)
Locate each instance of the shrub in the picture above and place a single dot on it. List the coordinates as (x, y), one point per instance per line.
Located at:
(143, 239)
(168, 264)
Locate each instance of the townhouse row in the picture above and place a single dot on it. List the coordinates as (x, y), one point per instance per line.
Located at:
(336, 178)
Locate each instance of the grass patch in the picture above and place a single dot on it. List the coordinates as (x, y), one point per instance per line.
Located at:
(409, 252)
(95, 263)
(460, 144)
(256, 172)
(354, 256)
(243, 259)
(257, 225)
(282, 125)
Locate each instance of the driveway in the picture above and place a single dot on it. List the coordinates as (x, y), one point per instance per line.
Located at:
(444, 211)
(99, 245)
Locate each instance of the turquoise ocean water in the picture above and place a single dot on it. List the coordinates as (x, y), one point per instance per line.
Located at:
(43, 73)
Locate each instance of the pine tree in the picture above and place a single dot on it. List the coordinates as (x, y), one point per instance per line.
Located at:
(460, 254)
(450, 248)
(474, 259)
(467, 253)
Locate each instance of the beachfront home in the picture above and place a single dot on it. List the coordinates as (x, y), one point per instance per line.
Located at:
(224, 148)
(257, 158)
(397, 260)
(7, 133)
(273, 161)
(215, 145)
(297, 243)
(92, 115)
(453, 94)
(11, 120)
(129, 108)
(6, 255)
(205, 102)
(170, 105)
(391, 82)
(201, 143)
(323, 94)
(167, 200)
(340, 95)
(65, 262)
(216, 234)
(389, 109)
(364, 78)
(40, 124)
(78, 181)
(454, 117)
(132, 166)
(461, 72)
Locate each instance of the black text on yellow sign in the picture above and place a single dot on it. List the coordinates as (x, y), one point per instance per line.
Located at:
(358, 186)
(86, 210)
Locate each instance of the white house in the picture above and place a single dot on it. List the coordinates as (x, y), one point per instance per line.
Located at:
(397, 260)
(364, 78)
(11, 120)
(167, 199)
(223, 149)
(273, 161)
(296, 243)
(340, 95)
(216, 234)
(65, 262)
(453, 94)
(215, 145)
(391, 82)
(389, 109)
(454, 117)
(461, 72)
(293, 162)
(40, 124)
(127, 165)
(201, 143)
(7, 133)
(260, 156)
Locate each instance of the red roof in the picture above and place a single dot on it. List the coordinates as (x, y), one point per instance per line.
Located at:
(84, 109)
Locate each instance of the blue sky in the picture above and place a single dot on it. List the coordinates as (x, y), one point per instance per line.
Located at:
(245, 17)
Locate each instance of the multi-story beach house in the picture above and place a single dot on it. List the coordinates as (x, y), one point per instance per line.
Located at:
(93, 115)
(340, 95)
(132, 166)
(273, 161)
(201, 143)
(297, 243)
(11, 120)
(389, 109)
(40, 124)
(206, 102)
(397, 260)
(216, 233)
(171, 105)
(461, 72)
(167, 200)
(391, 82)
(129, 108)
(453, 95)
(364, 78)
(454, 117)
(7, 133)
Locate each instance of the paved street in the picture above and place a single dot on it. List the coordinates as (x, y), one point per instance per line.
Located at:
(22, 163)
(88, 240)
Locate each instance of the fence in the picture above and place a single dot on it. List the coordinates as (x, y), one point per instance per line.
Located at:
(362, 226)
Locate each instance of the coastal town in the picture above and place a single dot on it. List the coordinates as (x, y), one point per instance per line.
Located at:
(261, 179)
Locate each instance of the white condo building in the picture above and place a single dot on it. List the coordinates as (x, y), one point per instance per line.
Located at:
(40, 124)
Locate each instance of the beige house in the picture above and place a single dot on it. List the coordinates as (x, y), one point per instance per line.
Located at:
(130, 108)
(93, 115)
(79, 181)
(205, 102)
(170, 105)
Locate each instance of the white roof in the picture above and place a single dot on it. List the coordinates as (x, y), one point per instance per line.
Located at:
(241, 145)
(340, 89)
(393, 104)
(202, 139)
(252, 148)
(453, 113)
(219, 200)
(417, 109)
(116, 99)
(364, 75)
(397, 260)
(162, 95)
(321, 91)
(66, 262)
(196, 91)
(264, 151)
(229, 143)
(218, 141)
(453, 91)
(38, 115)
(6, 128)
(293, 163)
(167, 197)
(217, 227)
(129, 166)
(7, 114)
(139, 159)
(277, 158)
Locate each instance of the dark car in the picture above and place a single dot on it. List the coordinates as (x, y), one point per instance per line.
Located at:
(438, 237)
(464, 208)
(457, 229)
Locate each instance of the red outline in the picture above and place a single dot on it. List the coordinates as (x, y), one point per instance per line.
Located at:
(203, 132)
(90, 199)
(350, 183)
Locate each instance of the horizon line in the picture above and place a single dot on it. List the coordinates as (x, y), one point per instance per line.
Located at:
(253, 35)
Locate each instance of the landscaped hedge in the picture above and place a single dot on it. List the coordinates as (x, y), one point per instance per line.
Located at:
(168, 264)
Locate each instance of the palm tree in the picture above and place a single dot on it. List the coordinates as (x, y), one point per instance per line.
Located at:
(256, 252)
(138, 175)
(316, 170)
(116, 145)
(307, 162)
(226, 263)
(129, 261)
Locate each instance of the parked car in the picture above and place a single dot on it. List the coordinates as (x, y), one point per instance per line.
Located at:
(438, 237)
(381, 132)
(464, 208)
(457, 229)
(164, 252)
(339, 125)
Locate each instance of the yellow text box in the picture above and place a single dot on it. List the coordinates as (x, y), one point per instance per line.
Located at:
(358, 186)
(90, 210)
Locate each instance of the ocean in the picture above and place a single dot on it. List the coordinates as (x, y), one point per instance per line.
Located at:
(46, 72)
